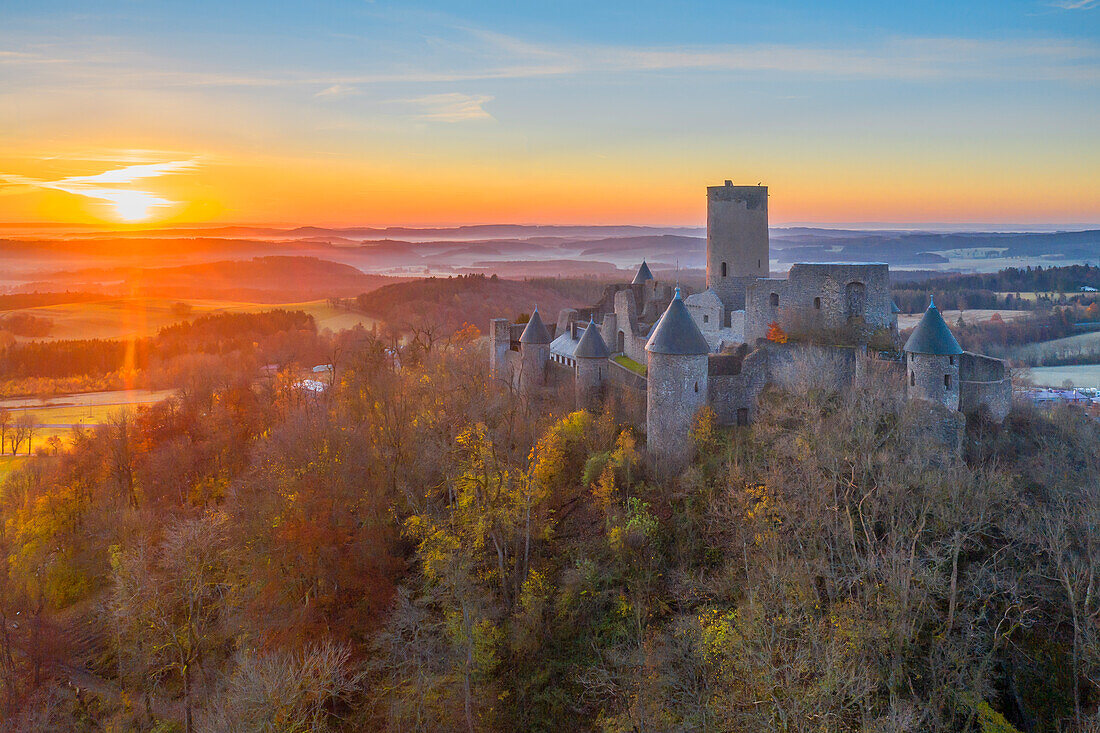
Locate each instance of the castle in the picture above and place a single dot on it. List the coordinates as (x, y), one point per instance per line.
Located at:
(721, 347)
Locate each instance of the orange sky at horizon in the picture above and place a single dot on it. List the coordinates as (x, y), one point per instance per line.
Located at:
(326, 192)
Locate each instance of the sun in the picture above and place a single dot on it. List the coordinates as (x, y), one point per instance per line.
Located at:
(132, 207)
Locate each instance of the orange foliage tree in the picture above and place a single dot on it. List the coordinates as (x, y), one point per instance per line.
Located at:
(776, 334)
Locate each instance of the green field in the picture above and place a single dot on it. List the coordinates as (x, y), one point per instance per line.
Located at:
(1087, 375)
(114, 318)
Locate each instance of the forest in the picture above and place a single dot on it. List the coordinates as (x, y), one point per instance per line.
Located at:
(417, 549)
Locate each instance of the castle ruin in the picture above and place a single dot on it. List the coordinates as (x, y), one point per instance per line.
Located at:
(713, 347)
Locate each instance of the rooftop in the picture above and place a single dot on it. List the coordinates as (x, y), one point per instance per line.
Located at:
(676, 332)
(932, 336)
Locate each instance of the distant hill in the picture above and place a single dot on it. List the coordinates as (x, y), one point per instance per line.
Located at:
(269, 279)
(449, 303)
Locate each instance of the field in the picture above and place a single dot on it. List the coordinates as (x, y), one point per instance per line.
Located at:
(1082, 342)
(57, 416)
(1081, 376)
(116, 318)
(908, 320)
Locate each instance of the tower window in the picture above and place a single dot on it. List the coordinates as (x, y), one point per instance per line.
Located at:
(758, 264)
(723, 269)
(817, 303)
(706, 319)
(696, 386)
(951, 359)
(774, 300)
(947, 381)
(912, 379)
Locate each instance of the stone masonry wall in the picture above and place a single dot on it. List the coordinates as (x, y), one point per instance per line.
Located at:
(984, 382)
(819, 296)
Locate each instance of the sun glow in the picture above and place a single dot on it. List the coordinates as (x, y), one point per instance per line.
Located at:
(133, 206)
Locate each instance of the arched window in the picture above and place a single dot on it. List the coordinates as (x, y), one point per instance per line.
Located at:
(723, 269)
(947, 381)
(817, 303)
(774, 299)
(912, 379)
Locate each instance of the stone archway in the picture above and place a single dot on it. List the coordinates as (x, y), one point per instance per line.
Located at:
(621, 343)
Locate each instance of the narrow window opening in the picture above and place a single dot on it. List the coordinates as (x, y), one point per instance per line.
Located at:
(706, 319)
(912, 379)
(774, 300)
(723, 269)
(952, 359)
(947, 381)
(696, 386)
(758, 264)
(817, 303)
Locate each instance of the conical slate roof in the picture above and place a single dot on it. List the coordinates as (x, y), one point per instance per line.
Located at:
(536, 332)
(591, 344)
(644, 275)
(932, 336)
(676, 332)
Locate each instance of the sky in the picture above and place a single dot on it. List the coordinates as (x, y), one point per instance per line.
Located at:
(421, 112)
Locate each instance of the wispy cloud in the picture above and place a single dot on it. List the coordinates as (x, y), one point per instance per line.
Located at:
(128, 203)
(1075, 4)
(337, 90)
(452, 107)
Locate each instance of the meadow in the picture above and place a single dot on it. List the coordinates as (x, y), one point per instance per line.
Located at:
(116, 318)
(1085, 375)
(909, 320)
(58, 415)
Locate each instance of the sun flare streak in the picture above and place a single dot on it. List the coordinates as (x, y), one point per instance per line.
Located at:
(128, 205)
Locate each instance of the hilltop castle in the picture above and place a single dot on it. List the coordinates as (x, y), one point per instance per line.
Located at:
(721, 347)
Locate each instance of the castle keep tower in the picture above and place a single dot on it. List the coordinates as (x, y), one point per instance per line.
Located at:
(591, 356)
(534, 354)
(676, 356)
(737, 240)
(932, 358)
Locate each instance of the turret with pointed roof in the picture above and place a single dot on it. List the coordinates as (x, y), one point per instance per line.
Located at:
(676, 386)
(643, 276)
(534, 353)
(535, 332)
(590, 357)
(591, 344)
(932, 336)
(676, 332)
(932, 361)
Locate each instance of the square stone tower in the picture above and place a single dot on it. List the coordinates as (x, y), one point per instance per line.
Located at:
(737, 240)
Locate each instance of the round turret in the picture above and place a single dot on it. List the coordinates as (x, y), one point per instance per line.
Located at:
(932, 361)
(676, 358)
(534, 353)
(591, 356)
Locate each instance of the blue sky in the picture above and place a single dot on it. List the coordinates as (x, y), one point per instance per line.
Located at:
(907, 110)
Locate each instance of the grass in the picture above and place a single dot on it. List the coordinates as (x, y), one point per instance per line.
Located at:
(9, 464)
(1086, 375)
(116, 318)
(630, 364)
(55, 416)
(1081, 342)
(908, 320)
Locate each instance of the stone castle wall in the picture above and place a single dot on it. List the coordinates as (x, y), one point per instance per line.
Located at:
(676, 390)
(984, 383)
(819, 297)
